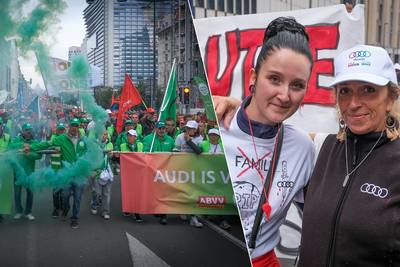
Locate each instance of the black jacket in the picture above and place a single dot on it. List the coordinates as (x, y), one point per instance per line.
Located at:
(357, 224)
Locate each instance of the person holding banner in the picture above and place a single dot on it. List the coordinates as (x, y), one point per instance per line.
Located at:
(159, 141)
(354, 192)
(189, 140)
(122, 138)
(269, 161)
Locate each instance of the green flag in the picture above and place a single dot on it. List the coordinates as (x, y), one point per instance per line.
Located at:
(205, 97)
(168, 106)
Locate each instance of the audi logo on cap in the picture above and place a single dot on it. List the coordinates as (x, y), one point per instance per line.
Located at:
(359, 54)
(285, 184)
(374, 190)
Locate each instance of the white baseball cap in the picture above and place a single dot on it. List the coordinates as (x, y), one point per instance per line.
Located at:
(108, 111)
(365, 63)
(132, 132)
(192, 124)
(397, 66)
(213, 131)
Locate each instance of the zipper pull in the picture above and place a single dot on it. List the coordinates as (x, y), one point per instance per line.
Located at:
(354, 152)
(297, 256)
(346, 178)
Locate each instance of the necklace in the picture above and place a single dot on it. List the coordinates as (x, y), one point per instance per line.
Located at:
(346, 178)
(266, 206)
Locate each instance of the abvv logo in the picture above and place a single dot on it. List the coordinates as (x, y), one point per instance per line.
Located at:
(211, 202)
(359, 54)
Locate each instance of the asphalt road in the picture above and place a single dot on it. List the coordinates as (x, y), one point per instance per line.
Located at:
(120, 241)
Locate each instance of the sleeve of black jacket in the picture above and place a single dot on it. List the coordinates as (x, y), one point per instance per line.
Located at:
(193, 146)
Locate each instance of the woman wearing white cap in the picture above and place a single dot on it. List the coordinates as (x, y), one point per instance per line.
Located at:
(352, 208)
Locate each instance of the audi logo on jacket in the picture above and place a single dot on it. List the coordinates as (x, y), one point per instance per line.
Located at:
(356, 224)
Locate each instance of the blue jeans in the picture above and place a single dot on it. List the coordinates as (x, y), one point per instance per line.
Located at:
(17, 198)
(76, 190)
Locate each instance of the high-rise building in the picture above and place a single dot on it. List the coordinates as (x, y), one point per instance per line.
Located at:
(214, 8)
(177, 40)
(120, 39)
(74, 51)
(382, 17)
(9, 69)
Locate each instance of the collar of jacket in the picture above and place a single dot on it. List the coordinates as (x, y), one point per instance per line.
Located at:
(366, 141)
(260, 130)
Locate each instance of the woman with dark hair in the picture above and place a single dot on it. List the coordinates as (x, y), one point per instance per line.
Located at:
(270, 162)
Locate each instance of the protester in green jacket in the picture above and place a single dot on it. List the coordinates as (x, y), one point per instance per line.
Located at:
(137, 126)
(71, 146)
(133, 145)
(213, 144)
(83, 126)
(162, 142)
(4, 137)
(56, 163)
(128, 125)
(27, 162)
(171, 129)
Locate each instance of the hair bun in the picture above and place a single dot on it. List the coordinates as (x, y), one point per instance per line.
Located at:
(282, 24)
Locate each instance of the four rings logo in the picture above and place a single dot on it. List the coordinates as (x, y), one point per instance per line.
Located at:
(374, 190)
(359, 54)
(285, 184)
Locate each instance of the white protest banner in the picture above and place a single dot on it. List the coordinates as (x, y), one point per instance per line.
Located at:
(230, 45)
(60, 82)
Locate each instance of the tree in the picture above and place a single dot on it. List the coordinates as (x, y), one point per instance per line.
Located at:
(103, 95)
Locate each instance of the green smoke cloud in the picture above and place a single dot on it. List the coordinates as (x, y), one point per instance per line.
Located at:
(30, 30)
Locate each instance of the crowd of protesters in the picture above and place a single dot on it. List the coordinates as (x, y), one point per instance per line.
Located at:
(62, 132)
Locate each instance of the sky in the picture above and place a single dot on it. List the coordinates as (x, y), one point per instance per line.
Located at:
(69, 32)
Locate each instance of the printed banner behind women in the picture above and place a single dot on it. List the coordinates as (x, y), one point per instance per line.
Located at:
(176, 183)
(229, 47)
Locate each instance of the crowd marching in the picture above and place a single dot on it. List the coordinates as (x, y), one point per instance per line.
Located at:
(62, 137)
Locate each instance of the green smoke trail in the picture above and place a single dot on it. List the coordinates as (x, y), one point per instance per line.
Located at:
(30, 31)
(92, 160)
(38, 22)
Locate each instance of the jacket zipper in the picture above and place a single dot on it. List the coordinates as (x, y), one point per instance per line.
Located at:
(339, 207)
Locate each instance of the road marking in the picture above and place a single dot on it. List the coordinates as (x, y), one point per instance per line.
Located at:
(224, 234)
(142, 256)
(31, 242)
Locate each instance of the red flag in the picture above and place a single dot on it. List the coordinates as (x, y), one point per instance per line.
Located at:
(130, 97)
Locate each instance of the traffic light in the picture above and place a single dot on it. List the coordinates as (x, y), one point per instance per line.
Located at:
(186, 95)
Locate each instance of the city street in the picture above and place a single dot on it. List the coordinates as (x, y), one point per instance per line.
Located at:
(120, 241)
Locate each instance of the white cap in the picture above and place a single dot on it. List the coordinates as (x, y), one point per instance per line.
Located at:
(108, 111)
(365, 63)
(213, 131)
(397, 66)
(91, 125)
(132, 132)
(192, 124)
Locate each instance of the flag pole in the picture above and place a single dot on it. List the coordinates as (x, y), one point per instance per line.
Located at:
(165, 95)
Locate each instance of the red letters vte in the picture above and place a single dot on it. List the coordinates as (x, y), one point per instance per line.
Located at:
(249, 40)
